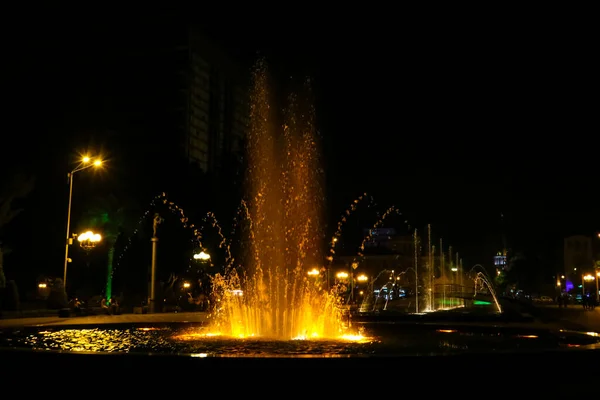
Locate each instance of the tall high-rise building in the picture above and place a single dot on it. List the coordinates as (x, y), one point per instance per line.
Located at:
(216, 104)
(177, 100)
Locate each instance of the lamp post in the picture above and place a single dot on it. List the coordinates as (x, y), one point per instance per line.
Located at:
(597, 287)
(86, 162)
(353, 266)
(152, 300)
(584, 279)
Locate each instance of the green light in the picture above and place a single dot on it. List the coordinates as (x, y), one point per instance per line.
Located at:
(481, 303)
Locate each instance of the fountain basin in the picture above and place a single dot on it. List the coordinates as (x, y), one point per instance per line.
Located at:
(380, 338)
(159, 353)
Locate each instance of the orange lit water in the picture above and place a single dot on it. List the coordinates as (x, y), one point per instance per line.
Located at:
(283, 232)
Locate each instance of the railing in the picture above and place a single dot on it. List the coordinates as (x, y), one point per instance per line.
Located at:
(454, 290)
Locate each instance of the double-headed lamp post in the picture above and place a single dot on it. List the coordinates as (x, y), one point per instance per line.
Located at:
(86, 162)
(88, 240)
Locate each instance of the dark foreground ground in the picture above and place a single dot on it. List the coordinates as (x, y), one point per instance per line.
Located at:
(570, 371)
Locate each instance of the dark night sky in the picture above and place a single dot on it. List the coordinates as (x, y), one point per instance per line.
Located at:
(454, 122)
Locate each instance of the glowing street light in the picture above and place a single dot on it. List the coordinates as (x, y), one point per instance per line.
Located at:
(313, 272)
(362, 278)
(86, 162)
(88, 240)
(342, 275)
(588, 278)
(202, 256)
(43, 289)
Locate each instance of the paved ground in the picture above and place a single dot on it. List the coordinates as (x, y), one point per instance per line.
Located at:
(574, 317)
(105, 319)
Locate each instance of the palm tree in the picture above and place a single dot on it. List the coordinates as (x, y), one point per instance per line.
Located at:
(111, 217)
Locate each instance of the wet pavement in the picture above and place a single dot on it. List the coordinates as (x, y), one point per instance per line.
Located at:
(574, 317)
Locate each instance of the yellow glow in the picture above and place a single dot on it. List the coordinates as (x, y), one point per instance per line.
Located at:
(283, 209)
(356, 338)
(89, 236)
(202, 256)
(313, 272)
(186, 285)
(362, 278)
(342, 275)
(85, 159)
(359, 338)
(314, 335)
(207, 335)
(588, 277)
(97, 163)
(42, 285)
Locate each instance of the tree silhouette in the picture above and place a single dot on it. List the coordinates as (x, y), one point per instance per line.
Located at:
(527, 271)
(110, 216)
(16, 188)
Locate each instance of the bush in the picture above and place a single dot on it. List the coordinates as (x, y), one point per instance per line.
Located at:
(57, 298)
(10, 298)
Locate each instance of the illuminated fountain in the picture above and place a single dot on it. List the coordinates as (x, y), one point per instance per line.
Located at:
(283, 232)
(483, 282)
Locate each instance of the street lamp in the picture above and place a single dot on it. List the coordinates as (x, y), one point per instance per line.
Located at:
(342, 275)
(586, 278)
(89, 240)
(86, 162)
(202, 256)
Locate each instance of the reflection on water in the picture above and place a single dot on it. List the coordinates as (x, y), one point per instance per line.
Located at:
(382, 340)
(193, 341)
(92, 340)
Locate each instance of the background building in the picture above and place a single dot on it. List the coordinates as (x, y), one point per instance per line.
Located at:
(578, 254)
(216, 104)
